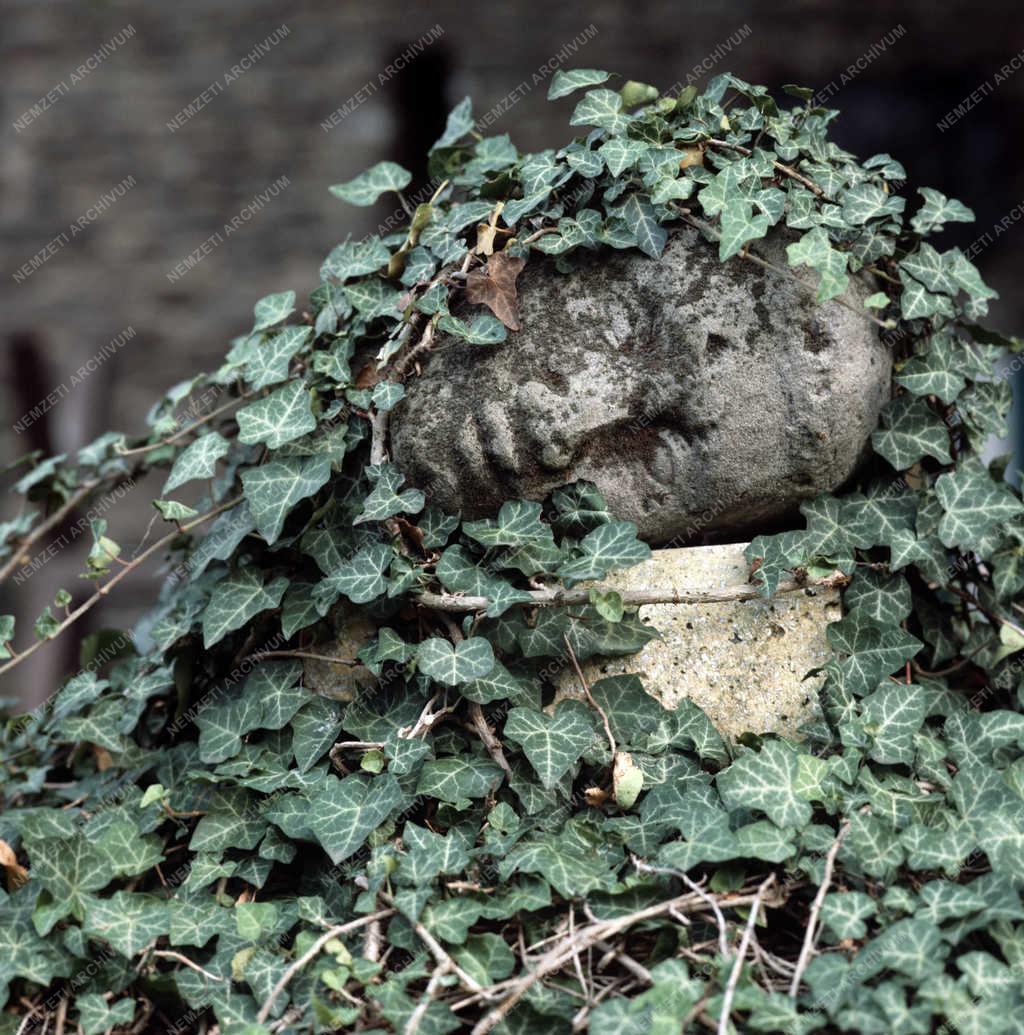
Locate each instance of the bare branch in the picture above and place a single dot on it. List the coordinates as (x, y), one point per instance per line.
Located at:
(631, 598)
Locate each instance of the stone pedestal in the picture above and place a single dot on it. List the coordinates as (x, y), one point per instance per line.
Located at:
(742, 662)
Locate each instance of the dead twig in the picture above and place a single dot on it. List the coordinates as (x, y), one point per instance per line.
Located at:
(630, 598)
(311, 953)
(737, 967)
(807, 949)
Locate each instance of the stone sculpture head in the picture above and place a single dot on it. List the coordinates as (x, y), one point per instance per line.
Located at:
(696, 395)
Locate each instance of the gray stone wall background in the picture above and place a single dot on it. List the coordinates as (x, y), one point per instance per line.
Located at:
(106, 78)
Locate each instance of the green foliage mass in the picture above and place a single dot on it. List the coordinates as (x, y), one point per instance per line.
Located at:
(191, 835)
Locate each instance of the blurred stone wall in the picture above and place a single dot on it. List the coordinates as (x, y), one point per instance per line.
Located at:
(135, 135)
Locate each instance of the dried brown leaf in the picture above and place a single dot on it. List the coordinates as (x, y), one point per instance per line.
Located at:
(495, 287)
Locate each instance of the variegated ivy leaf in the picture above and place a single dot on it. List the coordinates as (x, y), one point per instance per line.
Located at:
(518, 524)
(429, 854)
(843, 913)
(343, 813)
(452, 664)
(608, 547)
(938, 210)
(767, 780)
(172, 510)
(865, 201)
(815, 249)
(361, 579)
(917, 302)
(876, 651)
(739, 227)
(460, 575)
(270, 359)
(892, 716)
(354, 259)
(911, 430)
(619, 153)
(274, 489)
(564, 83)
(387, 395)
(639, 214)
(481, 330)
(458, 124)
(236, 599)
(126, 921)
(281, 417)
(373, 298)
(973, 503)
(385, 500)
(273, 309)
(600, 108)
(367, 187)
(552, 743)
(198, 460)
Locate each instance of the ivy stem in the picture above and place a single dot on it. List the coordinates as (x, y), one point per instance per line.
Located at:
(171, 439)
(106, 587)
(786, 170)
(631, 598)
(51, 522)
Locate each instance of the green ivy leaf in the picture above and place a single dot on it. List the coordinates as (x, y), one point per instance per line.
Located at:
(973, 503)
(739, 227)
(564, 83)
(767, 780)
(274, 489)
(281, 417)
(270, 360)
(238, 598)
(198, 460)
(608, 547)
(600, 108)
(815, 249)
(552, 743)
(361, 579)
(938, 210)
(273, 309)
(343, 813)
(453, 664)
(367, 187)
(385, 500)
(127, 921)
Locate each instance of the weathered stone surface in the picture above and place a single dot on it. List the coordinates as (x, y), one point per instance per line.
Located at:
(697, 395)
(743, 662)
(354, 630)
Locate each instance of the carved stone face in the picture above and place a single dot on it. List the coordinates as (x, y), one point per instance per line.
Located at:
(696, 395)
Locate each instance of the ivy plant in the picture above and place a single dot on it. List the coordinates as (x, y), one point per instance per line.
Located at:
(235, 818)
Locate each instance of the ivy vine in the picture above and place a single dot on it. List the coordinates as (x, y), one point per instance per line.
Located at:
(195, 839)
